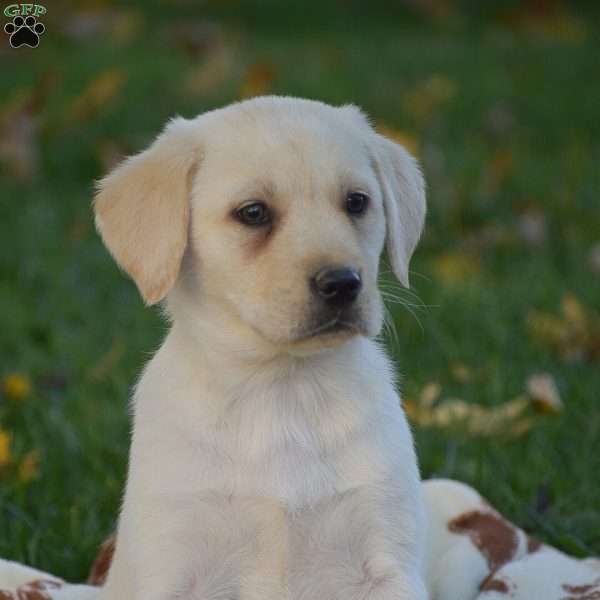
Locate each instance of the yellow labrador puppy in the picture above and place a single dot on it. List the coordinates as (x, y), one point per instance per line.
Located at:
(270, 456)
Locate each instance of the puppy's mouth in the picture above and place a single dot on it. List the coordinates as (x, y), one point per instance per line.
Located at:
(338, 324)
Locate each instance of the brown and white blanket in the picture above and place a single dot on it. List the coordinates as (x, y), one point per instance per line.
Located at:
(473, 553)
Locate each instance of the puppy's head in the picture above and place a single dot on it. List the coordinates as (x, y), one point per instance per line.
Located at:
(276, 210)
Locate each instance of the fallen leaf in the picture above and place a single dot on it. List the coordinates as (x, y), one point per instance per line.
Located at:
(575, 334)
(215, 70)
(507, 419)
(258, 80)
(16, 386)
(521, 426)
(125, 26)
(19, 126)
(461, 373)
(430, 394)
(108, 360)
(18, 141)
(196, 37)
(412, 410)
(544, 394)
(456, 267)
(102, 90)
(5, 453)
(404, 138)
(510, 419)
(547, 21)
(428, 96)
(29, 466)
(574, 312)
(450, 412)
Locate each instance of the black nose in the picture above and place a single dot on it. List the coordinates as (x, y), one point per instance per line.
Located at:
(338, 287)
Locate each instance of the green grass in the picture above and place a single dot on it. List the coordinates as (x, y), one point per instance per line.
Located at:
(66, 312)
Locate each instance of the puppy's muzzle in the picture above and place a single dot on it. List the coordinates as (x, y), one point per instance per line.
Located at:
(338, 287)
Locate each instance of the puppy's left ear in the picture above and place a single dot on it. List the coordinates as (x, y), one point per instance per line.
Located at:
(403, 188)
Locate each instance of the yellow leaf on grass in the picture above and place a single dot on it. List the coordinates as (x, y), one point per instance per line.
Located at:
(544, 394)
(501, 164)
(258, 80)
(29, 466)
(96, 95)
(215, 70)
(450, 412)
(575, 334)
(548, 21)
(5, 453)
(509, 419)
(573, 310)
(428, 95)
(108, 360)
(16, 386)
(430, 393)
(126, 25)
(547, 328)
(404, 138)
(19, 124)
(456, 267)
(461, 372)
(411, 409)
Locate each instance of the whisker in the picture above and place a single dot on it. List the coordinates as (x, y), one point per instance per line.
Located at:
(395, 295)
(395, 300)
(392, 285)
(389, 327)
(421, 275)
(414, 314)
(392, 294)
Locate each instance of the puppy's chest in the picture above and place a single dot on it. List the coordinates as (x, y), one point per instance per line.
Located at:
(289, 461)
(283, 449)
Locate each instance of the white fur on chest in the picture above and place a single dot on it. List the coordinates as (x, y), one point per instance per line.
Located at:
(308, 432)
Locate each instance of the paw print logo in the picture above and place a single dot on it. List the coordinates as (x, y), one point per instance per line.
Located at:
(24, 32)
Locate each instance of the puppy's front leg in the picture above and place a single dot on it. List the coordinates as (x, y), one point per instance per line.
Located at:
(364, 544)
(156, 557)
(208, 548)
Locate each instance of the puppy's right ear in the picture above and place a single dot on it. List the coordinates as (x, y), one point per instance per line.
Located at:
(404, 203)
(142, 210)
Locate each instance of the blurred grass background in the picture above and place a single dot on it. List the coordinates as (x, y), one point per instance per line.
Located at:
(500, 100)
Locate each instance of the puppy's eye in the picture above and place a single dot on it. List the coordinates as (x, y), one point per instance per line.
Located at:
(356, 203)
(254, 214)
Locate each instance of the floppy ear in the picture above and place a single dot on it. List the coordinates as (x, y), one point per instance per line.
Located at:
(403, 189)
(142, 210)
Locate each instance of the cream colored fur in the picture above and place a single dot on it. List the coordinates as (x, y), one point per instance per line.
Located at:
(270, 457)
